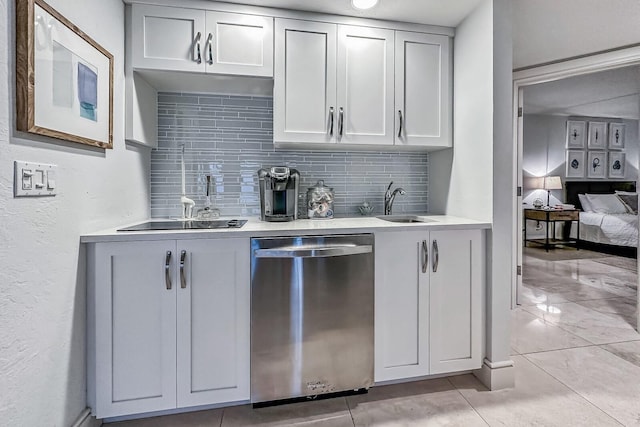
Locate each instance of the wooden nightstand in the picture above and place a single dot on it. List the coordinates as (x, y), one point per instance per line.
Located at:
(550, 217)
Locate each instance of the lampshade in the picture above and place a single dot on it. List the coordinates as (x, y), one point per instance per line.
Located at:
(552, 183)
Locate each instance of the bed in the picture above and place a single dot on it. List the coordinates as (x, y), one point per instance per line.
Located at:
(610, 232)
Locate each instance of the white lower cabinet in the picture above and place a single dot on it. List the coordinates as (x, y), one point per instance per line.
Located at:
(168, 324)
(428, 302)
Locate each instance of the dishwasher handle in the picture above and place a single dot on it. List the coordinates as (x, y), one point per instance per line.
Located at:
(316, 252)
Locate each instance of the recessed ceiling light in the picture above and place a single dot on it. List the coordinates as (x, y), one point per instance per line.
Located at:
(363, 4)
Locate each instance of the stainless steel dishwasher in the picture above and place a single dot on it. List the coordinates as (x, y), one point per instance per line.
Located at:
(311, 315)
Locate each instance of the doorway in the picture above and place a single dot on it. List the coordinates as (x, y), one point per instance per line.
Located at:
(532, 82)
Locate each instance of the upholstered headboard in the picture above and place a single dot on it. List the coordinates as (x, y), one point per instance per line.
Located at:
(573, 188)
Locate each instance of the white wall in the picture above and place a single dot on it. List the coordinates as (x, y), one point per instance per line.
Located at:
(475, 178)
(550, 30)
(42, 285)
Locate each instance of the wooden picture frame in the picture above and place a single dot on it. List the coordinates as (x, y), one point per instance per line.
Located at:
(576, 134)
(597, 164)
(616, 136)
(64, 79)
(575, 164)
(597, 136)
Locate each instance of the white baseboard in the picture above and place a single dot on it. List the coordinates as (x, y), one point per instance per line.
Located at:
(85, 419)
(496, 375)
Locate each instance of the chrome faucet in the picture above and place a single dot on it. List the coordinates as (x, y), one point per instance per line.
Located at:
(390, 196)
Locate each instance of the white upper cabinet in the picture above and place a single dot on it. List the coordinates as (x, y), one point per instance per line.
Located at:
(167, 38)
(365, 85)
(305, 82)
(391, 88)
(422, 90)
(177, 39)
(239, 44)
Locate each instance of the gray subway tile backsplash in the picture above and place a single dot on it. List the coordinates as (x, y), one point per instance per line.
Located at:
(231, 137)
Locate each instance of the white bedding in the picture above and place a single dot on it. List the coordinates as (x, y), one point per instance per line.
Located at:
(610, 229)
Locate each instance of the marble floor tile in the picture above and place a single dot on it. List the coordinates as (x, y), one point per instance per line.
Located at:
(624, 308)
(586, 323)
(319, 413)
(423, 403)
(605, 380)
(629, 351)
(211, 418)
(530, 333)
(538, 399)
(530, 295)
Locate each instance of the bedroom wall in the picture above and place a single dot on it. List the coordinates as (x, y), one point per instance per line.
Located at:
(544, 154)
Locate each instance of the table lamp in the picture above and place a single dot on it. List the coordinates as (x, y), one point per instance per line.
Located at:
(551, 183)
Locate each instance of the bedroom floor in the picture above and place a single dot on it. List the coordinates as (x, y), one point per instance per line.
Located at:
(575, 350)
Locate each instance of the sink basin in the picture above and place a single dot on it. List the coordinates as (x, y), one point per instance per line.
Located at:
(407, 219)
(187, 225)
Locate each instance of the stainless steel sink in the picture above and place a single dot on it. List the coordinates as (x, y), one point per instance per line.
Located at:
(407, 219)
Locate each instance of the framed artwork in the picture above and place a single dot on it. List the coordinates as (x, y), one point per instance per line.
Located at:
(597, 135)
(617, 163)
(576, 134)
(597, 164)
(616, 136)
(64, 79)
(575, 164)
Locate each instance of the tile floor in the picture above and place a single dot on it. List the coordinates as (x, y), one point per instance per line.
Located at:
(576, 355)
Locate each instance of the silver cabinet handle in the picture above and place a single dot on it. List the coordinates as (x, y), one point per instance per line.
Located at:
(400, 127)
(330, 121)
(167, 270)
(425, 256)
(183, 280)
(436, 256)
(340, 121)
(210, 48)
(198, 53)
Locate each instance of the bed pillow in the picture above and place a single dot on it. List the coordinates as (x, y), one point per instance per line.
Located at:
(630, 200)
(607, 204)
(584, 202)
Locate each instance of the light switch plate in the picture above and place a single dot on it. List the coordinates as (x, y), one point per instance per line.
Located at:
(31, 179)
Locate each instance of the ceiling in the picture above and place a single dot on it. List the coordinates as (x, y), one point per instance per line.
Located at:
(611, 93)
(433, 12)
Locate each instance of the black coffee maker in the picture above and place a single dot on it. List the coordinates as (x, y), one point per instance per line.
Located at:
(278, 193)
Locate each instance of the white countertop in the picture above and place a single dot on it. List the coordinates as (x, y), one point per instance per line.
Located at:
(257, 228)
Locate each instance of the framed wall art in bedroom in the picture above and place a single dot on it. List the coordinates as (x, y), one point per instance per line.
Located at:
(575, 164)
(64, 79)
(597, 164)
(617, 163)
(576, 133)
(616, 136)
(597, 135)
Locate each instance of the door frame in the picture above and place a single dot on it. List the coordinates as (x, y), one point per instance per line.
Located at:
(543, 74)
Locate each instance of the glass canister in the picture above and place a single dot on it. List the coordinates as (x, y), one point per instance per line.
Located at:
(320, 201)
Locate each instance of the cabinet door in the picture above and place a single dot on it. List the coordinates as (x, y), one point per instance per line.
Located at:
(168, 38)
(423, 90)
(457, 278)
(239, 44)
(365, 85)
(304, 92)
(401, 305)
(213, 321)
(135, 320)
